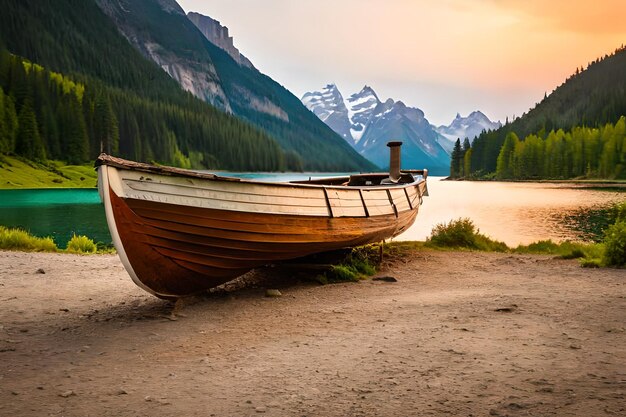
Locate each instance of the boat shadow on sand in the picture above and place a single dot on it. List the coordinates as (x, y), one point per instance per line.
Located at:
(262, 282)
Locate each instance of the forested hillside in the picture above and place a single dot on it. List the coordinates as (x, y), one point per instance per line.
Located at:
(121, 103)
(46, 115)
(578, 123)
(162, 32)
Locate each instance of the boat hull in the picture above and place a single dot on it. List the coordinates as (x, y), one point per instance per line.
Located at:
(177, 237)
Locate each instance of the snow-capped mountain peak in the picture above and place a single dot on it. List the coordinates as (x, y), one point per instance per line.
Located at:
(360, 107)
(329, 105)
(372, 123)
(325, 102)
(468, 127)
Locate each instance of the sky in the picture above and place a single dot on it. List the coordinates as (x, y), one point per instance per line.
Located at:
(443, 56)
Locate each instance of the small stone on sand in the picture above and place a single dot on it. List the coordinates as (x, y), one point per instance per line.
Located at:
(272, 293)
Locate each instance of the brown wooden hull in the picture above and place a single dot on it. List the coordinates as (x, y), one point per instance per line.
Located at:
(183, 250)
(178, 236)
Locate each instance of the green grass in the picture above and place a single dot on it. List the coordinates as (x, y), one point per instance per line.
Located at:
(358, 264)
(462, 234)
(21, 240)
(81, 244)
(565, 250)
(16, 172)
(615, 245)
(588, 254)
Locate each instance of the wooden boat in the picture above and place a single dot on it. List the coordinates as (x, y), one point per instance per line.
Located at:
(180, 232)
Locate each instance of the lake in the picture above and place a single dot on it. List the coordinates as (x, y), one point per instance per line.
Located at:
(516, 213)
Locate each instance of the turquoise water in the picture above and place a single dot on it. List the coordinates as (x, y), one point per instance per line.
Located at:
(62, 212)
(57, 213)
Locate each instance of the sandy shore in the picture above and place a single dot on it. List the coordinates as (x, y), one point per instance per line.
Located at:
(458, 334)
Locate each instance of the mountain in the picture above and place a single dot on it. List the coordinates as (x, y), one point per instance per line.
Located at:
(590, 97)
(218, 36)
(73, 86)
(217, 73)
(468, 127)
(329, 105)
(367, 124)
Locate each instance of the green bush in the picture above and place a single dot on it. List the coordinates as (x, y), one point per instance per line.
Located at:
(17, 239)
(463, 234)
(540, 247)
(619, 212)
(564, 250)
(102, 247)
(615, 245)
(81, 244)
(340, 273)
(358, 264)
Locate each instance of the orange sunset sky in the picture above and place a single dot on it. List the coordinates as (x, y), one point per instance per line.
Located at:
(446, 56)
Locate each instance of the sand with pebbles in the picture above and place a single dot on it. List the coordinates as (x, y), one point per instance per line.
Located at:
(459, 334)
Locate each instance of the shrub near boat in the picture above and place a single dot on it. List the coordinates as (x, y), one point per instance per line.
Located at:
(81, 244)
(21, 240)
(14, 239)
(463, 234)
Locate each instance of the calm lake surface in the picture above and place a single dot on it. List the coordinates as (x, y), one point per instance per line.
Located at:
(516, 213)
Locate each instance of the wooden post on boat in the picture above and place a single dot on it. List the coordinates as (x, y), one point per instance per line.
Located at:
(394, 160)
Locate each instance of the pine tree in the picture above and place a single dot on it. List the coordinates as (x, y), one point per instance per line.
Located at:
(28, 141)
(467, 163)
(75, 144)
(105, 129)
(10, 123)
(461, 169)
(4, 134)
(505, 161)
(455, 159)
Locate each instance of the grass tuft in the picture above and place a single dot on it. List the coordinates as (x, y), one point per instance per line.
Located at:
(615, 245)
(563, 250)
(20, 240)
(463, 234)
(81, 244)
(358, 264)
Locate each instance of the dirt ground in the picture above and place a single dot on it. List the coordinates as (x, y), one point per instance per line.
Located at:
(461, 334)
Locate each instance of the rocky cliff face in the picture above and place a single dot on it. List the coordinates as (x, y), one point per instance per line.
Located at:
(218, 36)
(195, 74)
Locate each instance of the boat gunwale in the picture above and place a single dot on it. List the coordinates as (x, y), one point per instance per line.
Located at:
(164, 170)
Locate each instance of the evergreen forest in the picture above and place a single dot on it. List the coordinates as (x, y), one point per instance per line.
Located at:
(47, 115)
(575, 132)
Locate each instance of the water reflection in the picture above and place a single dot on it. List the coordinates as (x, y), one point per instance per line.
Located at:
(515, 213)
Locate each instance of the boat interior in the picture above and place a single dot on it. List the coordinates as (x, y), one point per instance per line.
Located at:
(360, 180)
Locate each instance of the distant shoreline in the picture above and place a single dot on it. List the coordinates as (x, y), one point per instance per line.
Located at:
(588, 183)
